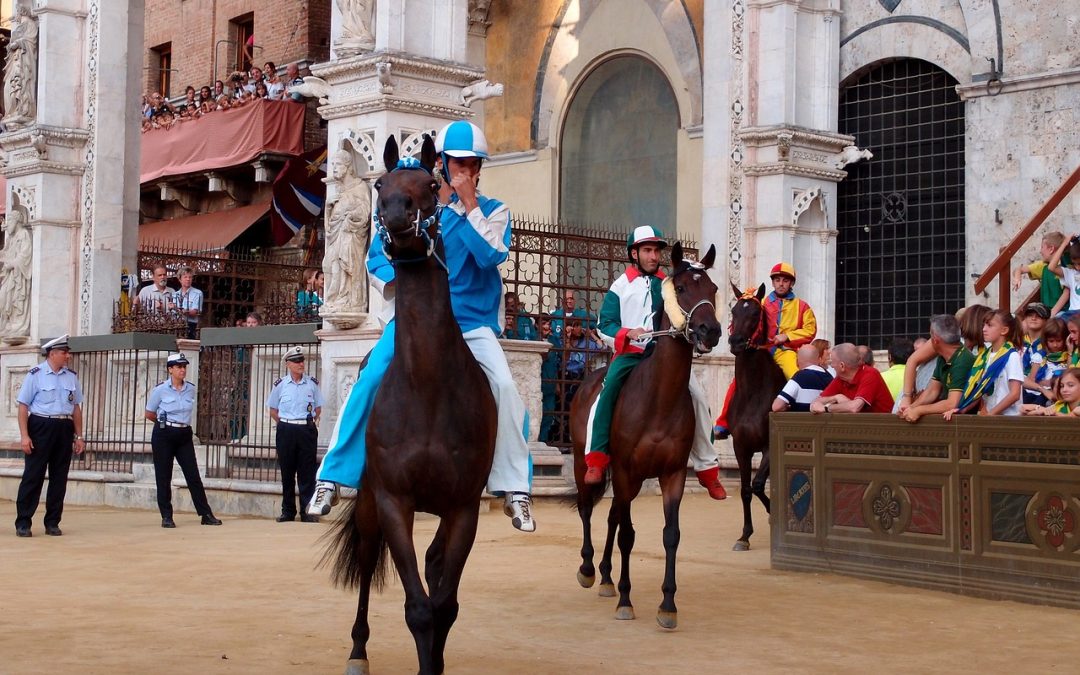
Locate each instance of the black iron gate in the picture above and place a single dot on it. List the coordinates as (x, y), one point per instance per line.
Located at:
(901, 244)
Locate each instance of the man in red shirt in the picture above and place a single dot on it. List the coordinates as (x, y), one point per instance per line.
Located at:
(857, 387)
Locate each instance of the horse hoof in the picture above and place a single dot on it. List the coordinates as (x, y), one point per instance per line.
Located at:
(607, 590)
(586, 582)
(625, 614)
(667, 620)
(357, 667)
(741, 545)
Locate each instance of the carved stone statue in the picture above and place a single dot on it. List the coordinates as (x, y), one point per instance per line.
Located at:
(20, 71)
(15, 260)
(357, 21)
(348, 227)
(850, 155)
(480, 90)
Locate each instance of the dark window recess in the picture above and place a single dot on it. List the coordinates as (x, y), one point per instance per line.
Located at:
(900, 249)
(163, 61)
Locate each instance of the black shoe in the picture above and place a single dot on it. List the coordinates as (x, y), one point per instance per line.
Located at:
(53, 531)
(309, 519)
(286, 518)
(210, 520)
(23, 532)
(168, 523)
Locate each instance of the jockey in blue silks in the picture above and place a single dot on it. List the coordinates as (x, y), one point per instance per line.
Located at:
(476, 239)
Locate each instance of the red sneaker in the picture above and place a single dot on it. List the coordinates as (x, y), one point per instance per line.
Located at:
(710, 480)
(596, 462)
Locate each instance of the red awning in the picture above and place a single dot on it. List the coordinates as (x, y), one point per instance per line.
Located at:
(208, 232)
(223, 138)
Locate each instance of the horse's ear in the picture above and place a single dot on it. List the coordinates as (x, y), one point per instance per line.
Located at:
(390, 153)
(710, 257)
(676, 255)
(427, 154)
(735, 290)
(761, 291)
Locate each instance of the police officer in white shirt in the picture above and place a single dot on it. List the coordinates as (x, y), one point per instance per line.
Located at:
(295, 404)
(170, 406)
(50, 427)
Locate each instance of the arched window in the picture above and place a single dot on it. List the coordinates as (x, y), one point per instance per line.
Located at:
(901, 241)
(619, 146)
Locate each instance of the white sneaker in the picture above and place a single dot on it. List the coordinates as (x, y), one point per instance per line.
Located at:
(325, 497)
(518, 506)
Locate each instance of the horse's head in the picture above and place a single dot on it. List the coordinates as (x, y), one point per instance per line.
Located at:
(748, 328)
(689, 299)
(406, 206)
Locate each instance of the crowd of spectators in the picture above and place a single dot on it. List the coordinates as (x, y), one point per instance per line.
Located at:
(237, 90)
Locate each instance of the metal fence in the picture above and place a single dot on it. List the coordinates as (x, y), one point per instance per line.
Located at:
(549, 261)
(233, 283)
(117, 373)
(237, 369)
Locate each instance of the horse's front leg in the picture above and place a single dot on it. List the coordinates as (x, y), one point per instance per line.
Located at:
(459, 530)
(586, 575)
(625, 609)
(370, 548)
(396, 520)
(607, 586)
(744, 458)
(671, 486)
(762, 475)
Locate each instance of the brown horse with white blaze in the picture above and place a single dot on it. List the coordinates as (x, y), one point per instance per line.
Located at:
(651, 432)
(423, 454)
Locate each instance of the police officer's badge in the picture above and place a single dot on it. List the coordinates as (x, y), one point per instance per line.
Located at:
(310, 408)
(71, 397)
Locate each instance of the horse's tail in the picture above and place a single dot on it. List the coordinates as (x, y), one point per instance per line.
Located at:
(591, 493)
(347, 544)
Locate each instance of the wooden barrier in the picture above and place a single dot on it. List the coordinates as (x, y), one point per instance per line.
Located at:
(980, 506)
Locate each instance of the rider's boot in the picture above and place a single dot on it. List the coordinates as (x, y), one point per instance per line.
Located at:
(596, 463)
(326, 496)
(518, 506)
(710, 480)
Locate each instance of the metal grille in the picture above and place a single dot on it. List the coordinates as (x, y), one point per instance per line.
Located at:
(233, 420)
(115, 385)
(546, 261)
(901, 243)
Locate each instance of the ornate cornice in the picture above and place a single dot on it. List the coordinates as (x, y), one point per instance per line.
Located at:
(59, 136)
(760, 136)
(330, 112)
(786, 168)
(401, 64)
(43, 166)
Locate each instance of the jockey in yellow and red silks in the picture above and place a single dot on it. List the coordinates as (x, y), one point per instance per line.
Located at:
(792, 324)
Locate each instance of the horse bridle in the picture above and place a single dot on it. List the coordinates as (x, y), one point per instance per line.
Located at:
(420, 227)
(752, 341)
(686, 332)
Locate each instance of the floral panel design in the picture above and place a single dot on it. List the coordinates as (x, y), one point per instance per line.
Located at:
(1055, 521)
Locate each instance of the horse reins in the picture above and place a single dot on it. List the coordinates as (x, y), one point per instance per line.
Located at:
(686, 332)
(420, 227)
(752, 341)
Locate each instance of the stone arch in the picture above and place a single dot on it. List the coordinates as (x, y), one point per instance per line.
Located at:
(904, 40)
(984, 34)
(411, 145)
(582, 36)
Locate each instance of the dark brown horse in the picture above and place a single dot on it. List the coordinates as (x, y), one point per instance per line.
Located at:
(759, 379)
(423, 453)
(651, 432)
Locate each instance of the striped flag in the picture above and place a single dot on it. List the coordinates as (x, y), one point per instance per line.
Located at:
(299, 195)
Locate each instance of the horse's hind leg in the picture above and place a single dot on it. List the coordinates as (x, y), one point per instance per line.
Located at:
(433, 561)
(625, 609)
(586, 575)
(396, 520)
(672, 487)
(370, 548)
(762, 475)
(607, 586)
(745, 494)
(459, 531)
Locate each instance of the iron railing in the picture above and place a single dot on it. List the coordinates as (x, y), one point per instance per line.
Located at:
(547, 260)
(238, 367)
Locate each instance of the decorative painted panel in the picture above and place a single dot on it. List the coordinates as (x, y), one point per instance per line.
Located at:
(848, 504)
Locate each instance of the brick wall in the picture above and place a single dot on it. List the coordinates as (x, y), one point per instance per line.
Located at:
(284, 32)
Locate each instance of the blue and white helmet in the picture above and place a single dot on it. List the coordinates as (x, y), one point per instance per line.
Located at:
(461, 139)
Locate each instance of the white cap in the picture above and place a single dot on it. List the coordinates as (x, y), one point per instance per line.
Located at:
(177, 359)
(55, 343)
(293, 354)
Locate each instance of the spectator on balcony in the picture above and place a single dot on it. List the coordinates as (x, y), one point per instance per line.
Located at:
(219, 89)
(1069, 271)
(253, 320)
(255, 76)
(170, 406)
(1049, 285)
(223, 103)
(824, 355)
(1067, 395)
(189, 101)
(309, 298)
(160, 106)
(997, 375)
(583, 350)
(518, 326)
(189, 301)
(806, 385)
(569, 309)
(900, 350)
(293, 79)
(1045, 365)
(275, 87)
(857, 387)
(156, 297)
(549, 374)
(261, 90)
(952, 367)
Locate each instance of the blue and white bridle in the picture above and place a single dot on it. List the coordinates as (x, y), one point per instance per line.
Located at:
(420, 226)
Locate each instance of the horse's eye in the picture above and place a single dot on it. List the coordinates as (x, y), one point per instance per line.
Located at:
(679, 289)
(378, 185)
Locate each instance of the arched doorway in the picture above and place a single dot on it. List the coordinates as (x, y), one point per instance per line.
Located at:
(901, 242)
(618, 159)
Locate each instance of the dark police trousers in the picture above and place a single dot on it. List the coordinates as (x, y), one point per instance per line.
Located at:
(175, 442)
(52, 439)
(296, 458)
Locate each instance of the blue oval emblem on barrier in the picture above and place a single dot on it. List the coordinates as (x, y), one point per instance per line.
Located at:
(800, 494)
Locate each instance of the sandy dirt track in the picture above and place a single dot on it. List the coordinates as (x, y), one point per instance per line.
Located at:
(118, 594)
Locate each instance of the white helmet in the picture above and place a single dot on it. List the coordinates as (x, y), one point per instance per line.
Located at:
(461, 139)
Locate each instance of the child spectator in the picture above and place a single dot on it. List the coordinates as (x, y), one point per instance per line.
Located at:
(189, 103)
(1049, 286)
(1068, 397)
(900, 350)
(1069, 302)
(1033, 322)
(807, 384)
(996, 377)
(261, 91)
(824, 356)
(972, 320)
(1072, 324)
(1045, 365)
